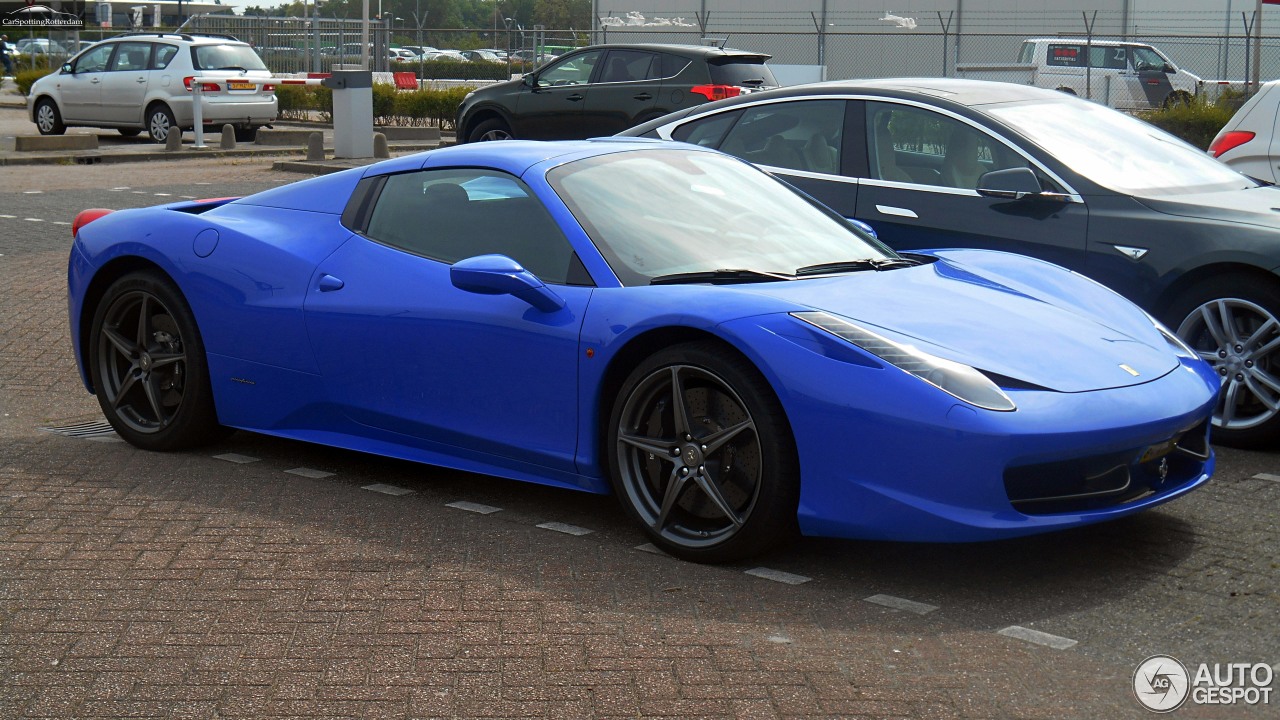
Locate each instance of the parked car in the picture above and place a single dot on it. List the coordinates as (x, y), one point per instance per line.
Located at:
(729, 358)
(1246, 141)
(39, 46)
(480, 56)
(142, 81)
(401, 55)
(501, 54)
(420, 50)
(604, 89)
(1121, 74)
(937, 162)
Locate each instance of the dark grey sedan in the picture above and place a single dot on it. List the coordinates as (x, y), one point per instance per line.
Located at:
(939, 162)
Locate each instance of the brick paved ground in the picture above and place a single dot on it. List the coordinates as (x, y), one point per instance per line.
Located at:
(135, 584)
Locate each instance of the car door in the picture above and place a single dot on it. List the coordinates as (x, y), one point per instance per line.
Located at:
(124, 85)
(1114, 82)
(403, 350)
(626, 89)
(551, 102)
(921, 189)
(800, 140)
(80, 91)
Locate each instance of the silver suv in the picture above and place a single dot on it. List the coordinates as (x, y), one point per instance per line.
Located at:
(142, 81)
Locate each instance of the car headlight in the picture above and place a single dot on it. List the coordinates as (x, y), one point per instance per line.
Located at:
(955, 379)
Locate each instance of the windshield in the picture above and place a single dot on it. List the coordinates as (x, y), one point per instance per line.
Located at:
(654, 213)
(1117, 151)
(226, 57)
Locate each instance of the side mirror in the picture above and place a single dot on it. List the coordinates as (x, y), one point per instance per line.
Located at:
(529, 80)
(500, 275)
(66, 68)
(1169, 68)
(1010, 183)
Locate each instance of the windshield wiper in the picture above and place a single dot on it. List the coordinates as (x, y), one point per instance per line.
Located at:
(752, 81)
(719, 277)
(855, 265)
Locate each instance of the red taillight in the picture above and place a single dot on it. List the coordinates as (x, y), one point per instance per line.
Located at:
(84, 217)
(717, 92)
(1228, 141)
(268, 88)
(204, 87)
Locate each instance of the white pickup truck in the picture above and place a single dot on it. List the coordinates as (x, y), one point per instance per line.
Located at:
(1123, 75)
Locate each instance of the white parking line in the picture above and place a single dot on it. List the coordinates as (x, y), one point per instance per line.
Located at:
(473, 507)
(118, 189)
(1267, 476)
(237, 458)
(387, 489)
(164, 194)
(61, 222)
(309, 473)
(139, 192)
(10, 217)
(187, 197)
(32, 192)
(34, 219)
(778, 576)
(898, 603)
(1035, 636)
(565, 528)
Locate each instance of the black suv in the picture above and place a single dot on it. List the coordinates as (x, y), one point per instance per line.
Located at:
(605, 89)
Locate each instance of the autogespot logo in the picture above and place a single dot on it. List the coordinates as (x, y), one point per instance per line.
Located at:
(1160, 683)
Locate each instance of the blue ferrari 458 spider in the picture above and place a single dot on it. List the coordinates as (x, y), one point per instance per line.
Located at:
(731, 359)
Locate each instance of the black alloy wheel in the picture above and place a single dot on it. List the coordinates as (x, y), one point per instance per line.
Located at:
(702, 455)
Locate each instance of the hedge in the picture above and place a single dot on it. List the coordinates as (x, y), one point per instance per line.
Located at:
(26, 78)
(1196, 122)
(390, 106)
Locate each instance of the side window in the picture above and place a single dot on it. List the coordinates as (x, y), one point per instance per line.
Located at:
(451, 215)
(95, 60)
(163, 56)
(800, 135)
(913, 145)
(707, 131)
(1109, 58)
(666, 65)
(575, 70)
(1028, 53)
(626, 66)
(132, 56)
(1065, 56)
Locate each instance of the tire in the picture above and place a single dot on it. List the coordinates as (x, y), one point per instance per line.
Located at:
(718, 481)
(148, 366)
(48, 119)
(160, 122)
(129, 132)
(1177, 98)
(491, 129)
(1234, 325)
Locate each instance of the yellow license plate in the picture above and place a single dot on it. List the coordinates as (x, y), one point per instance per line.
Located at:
(240, 86)
(1158, 450)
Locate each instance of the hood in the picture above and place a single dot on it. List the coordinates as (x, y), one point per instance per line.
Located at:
(992, 320)
(1253, 206)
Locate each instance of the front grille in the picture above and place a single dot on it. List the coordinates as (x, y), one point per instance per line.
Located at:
(1107, 480)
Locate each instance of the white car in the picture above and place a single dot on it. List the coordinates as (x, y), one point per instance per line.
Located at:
(1248, 141)
(142, 81)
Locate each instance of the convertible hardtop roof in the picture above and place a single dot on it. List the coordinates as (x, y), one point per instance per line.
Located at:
(514, 156)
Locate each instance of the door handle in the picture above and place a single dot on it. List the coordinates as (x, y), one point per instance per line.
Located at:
(644, 96)
(896, 211)
(329, 283)
(574, 97)
(140, 80)
(95, 81)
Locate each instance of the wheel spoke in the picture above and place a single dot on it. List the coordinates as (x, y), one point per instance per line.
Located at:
(678, 408)
(153, 397)
(1264, 377)
(646, 444)
(1261, 333)
(130, 379)
(1229, 329)
(121, 343)
(143, 322)
(159, 360)
(675, 488)
(717, 440)
(1258, 384)
(1213, 322)
(717, 498)
(1229, 399)
(1258, 354)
